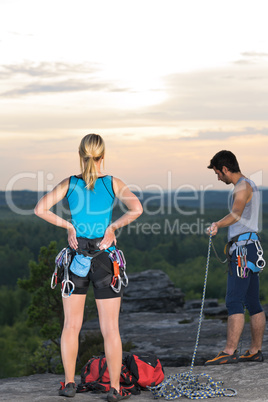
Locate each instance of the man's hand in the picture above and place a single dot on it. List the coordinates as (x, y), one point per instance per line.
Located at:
(213, 229)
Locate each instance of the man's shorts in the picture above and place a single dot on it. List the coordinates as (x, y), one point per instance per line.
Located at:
(243, 291)
(96, 273)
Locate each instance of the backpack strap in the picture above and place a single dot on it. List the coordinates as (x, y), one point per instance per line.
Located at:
(103, 368)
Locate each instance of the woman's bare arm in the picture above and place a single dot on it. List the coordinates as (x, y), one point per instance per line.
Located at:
(134, 210)
(50, 199)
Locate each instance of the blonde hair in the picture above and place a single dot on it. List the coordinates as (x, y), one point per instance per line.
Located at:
(91, 149)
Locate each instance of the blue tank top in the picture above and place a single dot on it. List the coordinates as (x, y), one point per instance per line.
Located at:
(91, 210)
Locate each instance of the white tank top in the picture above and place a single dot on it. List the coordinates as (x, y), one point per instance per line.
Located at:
(250, 216)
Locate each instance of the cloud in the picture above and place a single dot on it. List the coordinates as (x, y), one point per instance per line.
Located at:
(250, 58)
(64, 86)
(231, 93)
(54, 78)
(245, 62)
(197, 136)
(45, 69)
(226, 135)
(254, 54)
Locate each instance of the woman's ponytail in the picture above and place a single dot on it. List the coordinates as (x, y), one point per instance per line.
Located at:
(91, 150)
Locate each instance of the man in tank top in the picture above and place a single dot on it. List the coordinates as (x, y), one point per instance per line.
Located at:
(243, 282)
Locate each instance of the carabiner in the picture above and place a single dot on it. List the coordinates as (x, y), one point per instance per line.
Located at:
(260, 263)
(238, 268)
(125, 279)
(119, 267)
(67, 282)
(113, 283)
(60, 256)
(118, 256)
(122, 260)
(246, 269)
(244, 262)
(54, 280)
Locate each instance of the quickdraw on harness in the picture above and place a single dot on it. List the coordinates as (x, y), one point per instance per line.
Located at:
(119, 267)
(61, 272)
(242, 269)
(186, 384)
(243, 264)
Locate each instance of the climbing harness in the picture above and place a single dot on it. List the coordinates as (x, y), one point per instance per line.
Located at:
(243, 264)
(61, 272)
(79, 262)
(186, 384)
(119, 267)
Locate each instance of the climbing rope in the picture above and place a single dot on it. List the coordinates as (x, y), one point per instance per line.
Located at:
(217, 255)
(186, 384)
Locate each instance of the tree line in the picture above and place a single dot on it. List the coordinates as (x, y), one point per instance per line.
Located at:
(31, 313)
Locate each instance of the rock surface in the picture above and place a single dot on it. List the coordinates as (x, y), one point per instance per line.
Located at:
(172, 336)
(248, 379)
(151, 290)
(154, 321)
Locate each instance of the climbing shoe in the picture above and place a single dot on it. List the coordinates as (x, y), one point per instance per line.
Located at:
(114, 395)
(223, 358)
(68, 390)
(253, 357)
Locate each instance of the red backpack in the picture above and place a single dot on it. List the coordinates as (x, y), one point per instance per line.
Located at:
(137, 372)
(146, 369)
(95, 377)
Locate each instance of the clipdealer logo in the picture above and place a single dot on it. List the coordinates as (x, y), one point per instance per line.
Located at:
(158, 203)
(175, 227)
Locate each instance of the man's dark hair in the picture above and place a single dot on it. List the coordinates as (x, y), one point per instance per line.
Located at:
(224, 158)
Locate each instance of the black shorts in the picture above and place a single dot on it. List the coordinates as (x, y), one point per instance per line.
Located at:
(97, 273)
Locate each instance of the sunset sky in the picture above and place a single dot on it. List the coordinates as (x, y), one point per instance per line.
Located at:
(167, 83)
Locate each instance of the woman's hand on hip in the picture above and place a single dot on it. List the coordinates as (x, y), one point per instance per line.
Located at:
(72, 240)
(108, 239)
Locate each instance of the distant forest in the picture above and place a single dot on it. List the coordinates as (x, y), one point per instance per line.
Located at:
(169, 237)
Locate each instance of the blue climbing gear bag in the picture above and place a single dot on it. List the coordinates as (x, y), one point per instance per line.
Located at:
(81, 265)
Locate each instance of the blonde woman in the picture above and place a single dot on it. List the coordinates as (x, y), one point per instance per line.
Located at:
(91, 197)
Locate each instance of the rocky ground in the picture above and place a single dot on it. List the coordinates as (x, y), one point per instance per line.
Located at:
(249, 380)
(155, 319)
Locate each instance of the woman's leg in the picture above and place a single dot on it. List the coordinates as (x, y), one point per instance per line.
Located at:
(73, 307)
(108, 310)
